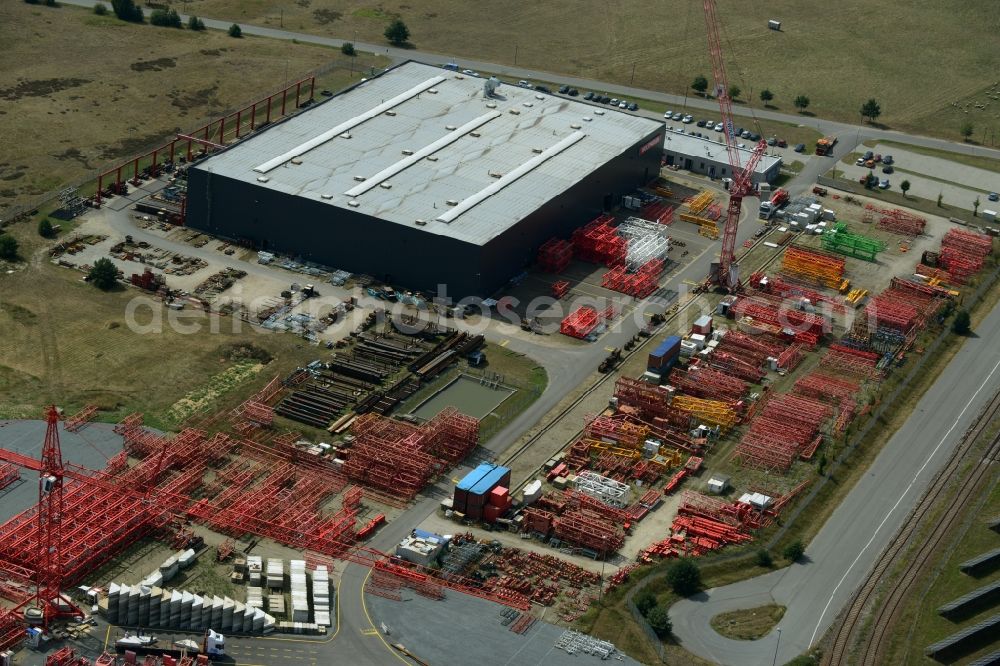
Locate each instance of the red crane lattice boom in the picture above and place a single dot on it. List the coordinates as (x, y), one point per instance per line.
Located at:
(742, 184)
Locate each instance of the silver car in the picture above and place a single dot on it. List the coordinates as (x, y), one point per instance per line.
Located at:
(718, 127)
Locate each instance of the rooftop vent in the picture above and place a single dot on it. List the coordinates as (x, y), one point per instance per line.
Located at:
(575, 125)
(262, 179)
(496, 174)
(528, 104)
(432, 158)
(539, 96)
(450, 128)
(515, 112)
(475, 134)
(491, 105)
(452, 202)
(353, 203)
(407, 151)
(345, 135)
(359, 179)
(296, 160)
(390, 113)
(599, 112)
(386, 185)
(421, 223)
(587, 119)
(326, 196)
(537, 151)
(433, 91)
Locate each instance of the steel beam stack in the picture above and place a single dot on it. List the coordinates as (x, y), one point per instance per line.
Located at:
(710, 412)
(963, 252)
(842, 241)
(581, 322)
(588, 529)
(736, 367)
(598, 242)
(846, 361)
(776, 286)
(658, 211)
(702, 382)
(554, 255)
(784, 431)
(813, 266)
(607, 491)
(80, 419)
(807, 327)
(8, 475)
(901, 222)
(824, 387)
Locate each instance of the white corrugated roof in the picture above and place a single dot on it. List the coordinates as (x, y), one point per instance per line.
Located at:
(695, 147)
(422, 143)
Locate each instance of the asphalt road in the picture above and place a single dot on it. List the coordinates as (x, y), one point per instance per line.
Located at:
(839, 558)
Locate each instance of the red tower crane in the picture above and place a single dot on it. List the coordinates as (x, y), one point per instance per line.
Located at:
(742, 185)
(49, 600)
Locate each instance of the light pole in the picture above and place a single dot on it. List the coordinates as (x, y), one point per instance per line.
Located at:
(515, 53)
(776, 645)
(604, 558)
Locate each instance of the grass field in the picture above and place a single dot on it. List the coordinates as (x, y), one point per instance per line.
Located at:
(749, 624)
(926, 62)
(87, 91)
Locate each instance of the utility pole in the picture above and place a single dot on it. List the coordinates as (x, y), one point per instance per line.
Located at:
(604, 558)
(515, 53)
(776, 645)
(633, 73)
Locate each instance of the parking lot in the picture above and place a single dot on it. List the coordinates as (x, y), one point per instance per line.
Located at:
(958, 184)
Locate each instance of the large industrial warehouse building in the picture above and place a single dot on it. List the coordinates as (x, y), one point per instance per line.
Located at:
(419, 178)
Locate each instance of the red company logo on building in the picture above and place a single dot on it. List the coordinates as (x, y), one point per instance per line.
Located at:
(652, 143)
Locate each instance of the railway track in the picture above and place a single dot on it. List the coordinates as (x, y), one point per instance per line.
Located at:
(870, 652)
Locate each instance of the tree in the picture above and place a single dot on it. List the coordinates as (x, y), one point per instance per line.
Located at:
(645, 601)
(103, 275)
(235, 31)
(734, 91)
(700, 84)
(8, 248)
(165, 18)
(962, 324)
(127, 10)
(821, 464)
(975, 207)
(967, 129)
(397, 33)
(871, 110)
(684, 577)
(660, 622)
(100, 9)
(940, 197)
(347, 49)
(763, 558)
(794, 551)
(766, 96)
(801, 103)
(45, 228)
(195, 23)
(905, 186)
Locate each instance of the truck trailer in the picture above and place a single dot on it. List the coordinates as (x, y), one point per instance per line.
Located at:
(825, 145)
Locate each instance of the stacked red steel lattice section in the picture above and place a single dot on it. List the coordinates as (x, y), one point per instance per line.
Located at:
(401, 458)
(554, 255)
(704, 382)
(904, 306)
(658, 211)
(80, 419)
(581, 322)
(964, 252)
(901, 222)
(8, 475)
(589, 529)
(777, 286)
(599, 243)
(807, 327)
(850, 362)
(787, 428)
(639, 284)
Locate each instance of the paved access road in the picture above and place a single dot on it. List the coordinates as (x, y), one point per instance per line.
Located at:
(839, 558)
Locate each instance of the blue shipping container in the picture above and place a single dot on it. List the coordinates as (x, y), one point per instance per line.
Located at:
(665, 354)
(496, 476)
(473, 477)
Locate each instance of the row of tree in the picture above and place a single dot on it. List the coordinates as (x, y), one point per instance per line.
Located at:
(127, 10)
(870, 109)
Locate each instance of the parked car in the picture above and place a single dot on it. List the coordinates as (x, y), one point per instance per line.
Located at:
(869, 155)
(614, 101)
(859, 162)
(573, 92)
(563, 90)
(688, 119)
(623, 104)
(605, 99)
(589, 96)
(800, 148)
(738, 131)
(754, 137)
(884, 184)
(719, 127)
(993, 196)
(543, 89)
(469, 72)
(870, 164)
(782, 143)
(633, 107)
(878, 157)
(772, 141)
(741, 145)
(887, 159)
(678, 116)
(700, 123)
(523, 84)
(887, 168)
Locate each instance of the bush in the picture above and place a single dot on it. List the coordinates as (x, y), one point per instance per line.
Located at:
(100, 9)
(794, 551)
(763, 558)
(684, 577)
(397, 33)
(660, 622)
(8, 248)
(165, 18)
(127, 10)
(103, 275)
(235, 31)
(45, 228)
(195, 23)
(700, 84)
(347, 49)
(963, 323)
(645, 601)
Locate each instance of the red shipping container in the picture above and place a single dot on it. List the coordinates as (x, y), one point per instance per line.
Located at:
(500, 497)
(491, 513)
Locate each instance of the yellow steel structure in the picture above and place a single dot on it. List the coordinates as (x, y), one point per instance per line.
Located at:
(712, 412)
(702, 201)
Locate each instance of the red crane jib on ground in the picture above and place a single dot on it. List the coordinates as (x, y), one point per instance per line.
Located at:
(742, 184)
